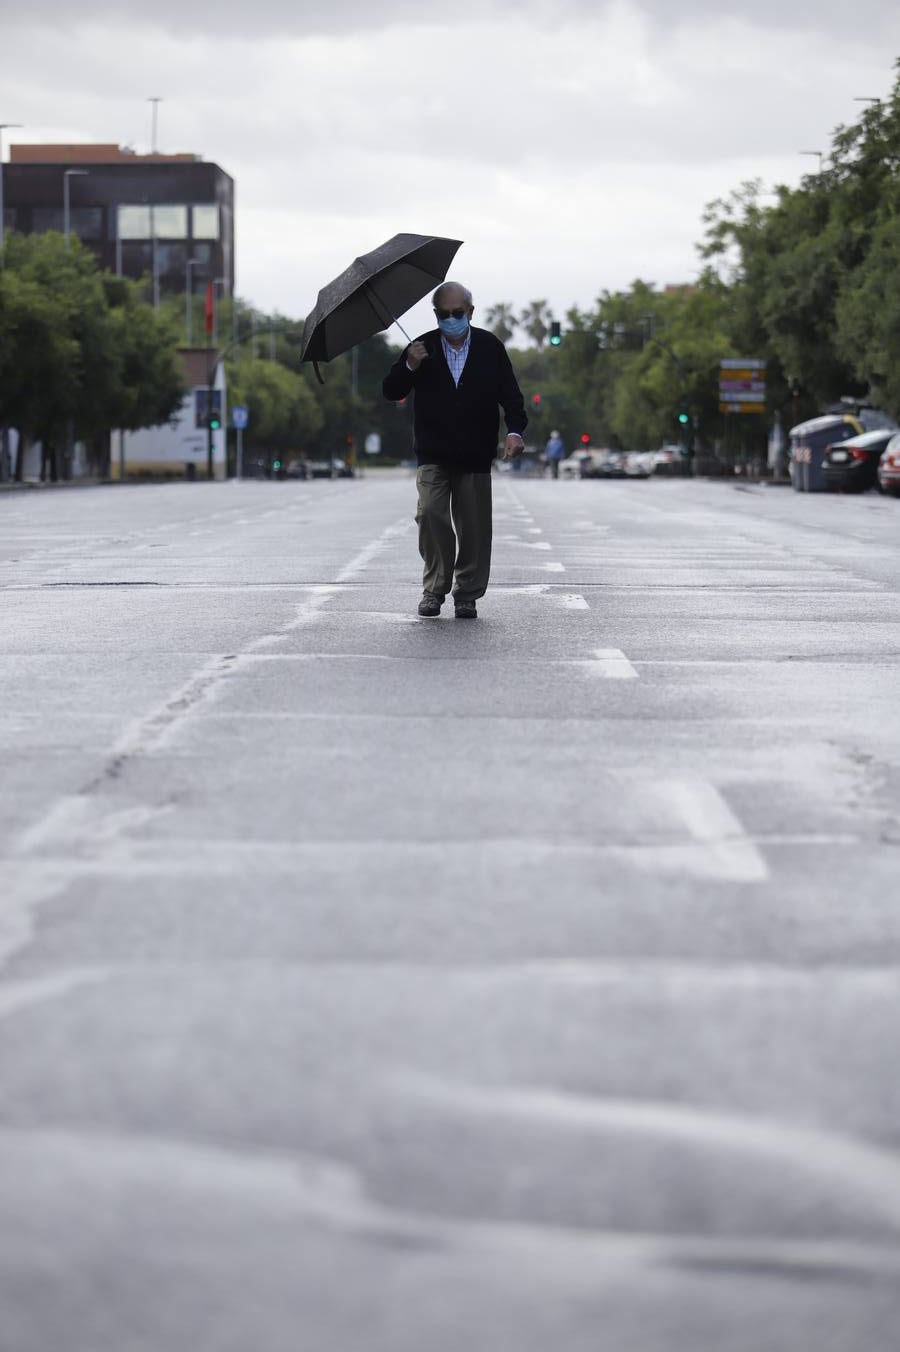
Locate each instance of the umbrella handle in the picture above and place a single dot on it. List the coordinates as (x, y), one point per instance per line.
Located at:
(319, 376)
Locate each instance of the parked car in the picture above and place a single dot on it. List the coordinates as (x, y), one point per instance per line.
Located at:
(889, 467)
(639, 464)
(573, 466)
(608, 465)
(335, 468)
(852, 465)
(296, 469)
(667, 460)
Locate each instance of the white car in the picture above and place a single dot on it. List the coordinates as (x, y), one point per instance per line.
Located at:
(574, 465)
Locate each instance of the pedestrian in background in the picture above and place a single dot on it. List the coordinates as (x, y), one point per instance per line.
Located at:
(460, 377)
(554, 452)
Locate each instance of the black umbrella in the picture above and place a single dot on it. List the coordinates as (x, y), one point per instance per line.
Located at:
(370, 294)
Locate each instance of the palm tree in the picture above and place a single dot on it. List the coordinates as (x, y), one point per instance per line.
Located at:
(501, 320)
(535, 320)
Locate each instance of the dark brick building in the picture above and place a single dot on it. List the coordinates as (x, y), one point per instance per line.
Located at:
(142, 215)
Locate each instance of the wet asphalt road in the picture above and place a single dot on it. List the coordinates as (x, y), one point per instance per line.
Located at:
(370, 984)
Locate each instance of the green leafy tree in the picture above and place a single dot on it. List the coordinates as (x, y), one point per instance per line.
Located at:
(535, 320)
(501, 320)
(88, 354)
(283, 416)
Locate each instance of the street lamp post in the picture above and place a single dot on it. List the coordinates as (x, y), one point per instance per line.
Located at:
(156, 101)
(223, 283)
(189, 298)
(813, 152)
(67, 174)
(3, 127)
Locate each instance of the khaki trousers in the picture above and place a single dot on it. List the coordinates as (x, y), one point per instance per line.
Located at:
(454, 520)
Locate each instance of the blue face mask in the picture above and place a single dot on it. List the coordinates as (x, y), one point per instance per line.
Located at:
(454, 328)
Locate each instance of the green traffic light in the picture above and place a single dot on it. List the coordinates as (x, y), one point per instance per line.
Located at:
(683, 418)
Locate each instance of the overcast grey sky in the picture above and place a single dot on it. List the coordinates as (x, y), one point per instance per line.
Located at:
(571, 145)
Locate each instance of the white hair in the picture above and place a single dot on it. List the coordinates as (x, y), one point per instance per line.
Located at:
(452, 286)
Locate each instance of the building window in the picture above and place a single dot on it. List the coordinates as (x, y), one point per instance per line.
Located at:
(85, 222)
(205, 222)
(170, 222)
(47, 218)
(153, 222)
(134, 222)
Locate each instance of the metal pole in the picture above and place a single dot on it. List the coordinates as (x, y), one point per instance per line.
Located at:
(239, 464)
(189, 298)
(222, 282)
(354, 394)
(3, 127)
(67, 174)
(154, 256)
(156, 101)
(210, 371)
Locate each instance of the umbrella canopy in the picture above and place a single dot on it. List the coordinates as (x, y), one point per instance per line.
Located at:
(369, 295)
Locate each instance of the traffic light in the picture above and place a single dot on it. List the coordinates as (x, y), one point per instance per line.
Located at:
(684, 417)
(215, 422)
(555, 333)
(536, 400)
(585, 438)
(276, 465)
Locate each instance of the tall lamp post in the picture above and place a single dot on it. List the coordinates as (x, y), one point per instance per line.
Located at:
(221, 282)
(156, 101)
(3, 127)
(189, 298)
(67, 174)
(813, 152)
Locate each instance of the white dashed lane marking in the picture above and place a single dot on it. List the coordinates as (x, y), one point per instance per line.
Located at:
(612, 664)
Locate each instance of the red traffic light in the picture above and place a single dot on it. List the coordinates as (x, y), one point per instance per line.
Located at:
(585, 438)
(536, 399)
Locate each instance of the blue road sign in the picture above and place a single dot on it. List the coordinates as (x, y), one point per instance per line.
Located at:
(239, 416)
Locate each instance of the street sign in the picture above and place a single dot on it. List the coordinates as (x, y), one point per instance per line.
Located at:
(239, 416)
(742, 385)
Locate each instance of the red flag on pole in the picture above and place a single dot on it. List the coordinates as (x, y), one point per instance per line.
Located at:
(209, 312)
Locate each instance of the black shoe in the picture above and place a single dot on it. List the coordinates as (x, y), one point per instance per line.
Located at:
(430, 605)
(466, 610)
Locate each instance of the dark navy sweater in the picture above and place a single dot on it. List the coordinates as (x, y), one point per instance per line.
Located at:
(458, 426)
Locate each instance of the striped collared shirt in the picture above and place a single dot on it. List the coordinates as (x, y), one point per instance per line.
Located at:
(456, 356)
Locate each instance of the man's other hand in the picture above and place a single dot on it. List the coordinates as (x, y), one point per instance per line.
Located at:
(415, 355)
(514, 446)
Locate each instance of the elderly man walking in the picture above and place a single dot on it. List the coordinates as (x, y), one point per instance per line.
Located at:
(460, 378)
